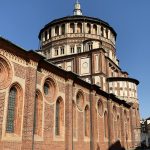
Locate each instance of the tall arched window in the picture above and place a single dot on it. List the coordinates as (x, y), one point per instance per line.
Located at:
(11, 110)
(87, 121)
(38, 114)
(59, 121)
(72, 28)
(45, 35)
(90, 45)
(128, 128)
(115, 122)
(125, 127)
(88, 28)
(80, 100)
(56, 30)
(118, 127)
(74, 120)
(79, 28)
(100, 108)
(102, 31)
(63, 29)
(106, 124)
(49, 33)
(94, 29)
(14, 110)
(106, 33)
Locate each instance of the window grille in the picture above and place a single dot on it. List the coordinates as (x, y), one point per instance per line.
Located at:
(78, 49)
(46, 88)
(11, 110)
(57, 127)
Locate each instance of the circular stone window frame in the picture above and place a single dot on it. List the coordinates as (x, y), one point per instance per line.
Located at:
(80, 108)
(52, 84)
(6, 72)
(98, 109)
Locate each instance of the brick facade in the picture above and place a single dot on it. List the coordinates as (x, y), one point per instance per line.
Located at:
(30, 71)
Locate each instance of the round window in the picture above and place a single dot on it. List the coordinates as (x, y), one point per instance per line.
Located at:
(49, 89)
(5, 74)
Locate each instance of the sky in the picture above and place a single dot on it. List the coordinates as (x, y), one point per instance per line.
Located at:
(21, 22)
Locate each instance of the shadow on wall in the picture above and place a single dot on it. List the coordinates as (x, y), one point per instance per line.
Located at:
(116, 146)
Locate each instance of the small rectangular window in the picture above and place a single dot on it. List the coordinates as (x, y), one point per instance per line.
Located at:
(62, 51)
(78, 49)
(71, 50)
(56, 52)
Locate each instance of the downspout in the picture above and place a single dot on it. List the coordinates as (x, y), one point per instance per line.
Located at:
(108, 118)
(34, 115)
(91, 126)
(72, 117)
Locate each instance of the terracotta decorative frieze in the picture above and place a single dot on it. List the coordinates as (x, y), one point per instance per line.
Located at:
(20, 71)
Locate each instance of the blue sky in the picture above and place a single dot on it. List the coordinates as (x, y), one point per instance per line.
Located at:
(21, 22)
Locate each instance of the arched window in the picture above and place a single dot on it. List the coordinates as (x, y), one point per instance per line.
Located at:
(49, 33)
(72, 28)
(38, 113)
(45, 35)
(46, 88)
(102, 31)
(62, 50)
(79, 28)
(49, 89)
(11, 110)
(115, 122)
(125, 127)
(128, 128)
(106, 124)
(88, 28)
(63, 29)
(100, 107)
(118, 127)
(94, 29)
(106, 33)
(14, 110)
(80, 100)
(90, 45)
(87, 121)
(59, 121)
(74, 120)
(56, 30)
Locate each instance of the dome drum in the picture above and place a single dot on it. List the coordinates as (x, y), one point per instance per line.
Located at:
(70, 27)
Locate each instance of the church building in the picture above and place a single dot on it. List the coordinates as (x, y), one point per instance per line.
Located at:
(70, 94)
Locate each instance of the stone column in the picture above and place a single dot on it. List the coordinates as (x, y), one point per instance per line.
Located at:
(66, 28)
(85, 27)
(60, 30)
(75, 26)
(104, 32)
(91, 28)
(53, 31)
(108, 34)
(43, 37)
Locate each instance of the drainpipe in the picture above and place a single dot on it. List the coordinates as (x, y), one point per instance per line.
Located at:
(72, 117)
(91, 126)
(108, 118)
